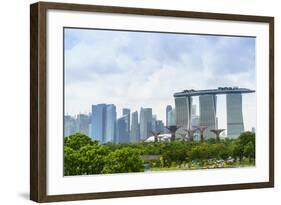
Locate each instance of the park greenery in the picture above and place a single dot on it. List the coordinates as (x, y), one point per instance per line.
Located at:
(83, 156)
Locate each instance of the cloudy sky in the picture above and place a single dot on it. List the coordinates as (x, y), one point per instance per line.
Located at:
(144, 69)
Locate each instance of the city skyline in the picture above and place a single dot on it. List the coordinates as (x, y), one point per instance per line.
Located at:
(144, 70)
(106, 127)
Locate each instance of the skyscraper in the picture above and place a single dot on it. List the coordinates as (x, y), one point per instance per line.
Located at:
(135, 128)
(183, 111)
(195, 121)
(168, 108)
(207, 103)
(126, 114)
(153, 123)
(145, 122)
(122, 136)
(70, 126)
(193, 110)
(110, 123)
(235, 123)
(83, 122)
(194, 117)
(98, 122)
(159, 126)
(171, 118)
(207, 117)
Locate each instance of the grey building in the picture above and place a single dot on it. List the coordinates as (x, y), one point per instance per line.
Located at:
(171, 118)
(207, 104)
(195, 121)
(183, 111)
(145, 123)
(126, 113)
(98, 122)
(110, 123)
(235, 124)
(83, 122)
(70, 125)
(168, 108)
(207, 101)
(153, 123)
(160, 127)
(122, 136)
(193, 110)
(135, 128)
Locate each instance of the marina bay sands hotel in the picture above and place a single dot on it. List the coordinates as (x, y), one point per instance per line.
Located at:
(208, 109)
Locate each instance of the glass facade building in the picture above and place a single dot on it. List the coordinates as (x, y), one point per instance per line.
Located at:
(145, 123)
(135, 128)
(171, 118)
(183, 111)
(207, 104)
(122, 136)
(70, 126)
(159, 126)
(83, 122)
(98, 122)
(126, 113)
(168, 108)
(110, 123)
(235, 123)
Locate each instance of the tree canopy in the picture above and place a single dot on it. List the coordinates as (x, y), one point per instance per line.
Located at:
(84, 156)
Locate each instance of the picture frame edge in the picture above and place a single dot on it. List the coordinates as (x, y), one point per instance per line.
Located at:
(38, 112)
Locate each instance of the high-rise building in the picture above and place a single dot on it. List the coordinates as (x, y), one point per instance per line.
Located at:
(70, 125)
(160, 127)
(235, 123)
(183, 111)
(122, 136)
(98, 122)
(126, 113)
(195, 121)
(207, 104)
(110, 123)
(171, 118)
(153, 123)
(83, 122)
(193, 110)
(135, 128)
(168, 108)
(145, 123)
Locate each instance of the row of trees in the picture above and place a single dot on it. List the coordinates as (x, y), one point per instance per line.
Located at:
(84, 156)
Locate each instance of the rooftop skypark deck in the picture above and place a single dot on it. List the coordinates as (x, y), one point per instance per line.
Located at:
(218, 91)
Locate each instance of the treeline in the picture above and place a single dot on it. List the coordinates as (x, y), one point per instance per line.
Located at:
(83, 156)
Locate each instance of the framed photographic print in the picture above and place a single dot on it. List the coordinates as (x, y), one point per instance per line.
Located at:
(136, 102)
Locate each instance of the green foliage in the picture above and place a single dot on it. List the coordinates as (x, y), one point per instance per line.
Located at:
(92, 159)
(78, 140)
(71, 162)
(89, 159)
(84, 156)
(244, 146)
(123, 161)
(174, 152)
(199, 152)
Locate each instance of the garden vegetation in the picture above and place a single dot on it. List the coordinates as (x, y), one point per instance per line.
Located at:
(83, 156)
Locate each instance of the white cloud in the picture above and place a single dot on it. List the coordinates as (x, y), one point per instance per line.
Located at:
(141, 69)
